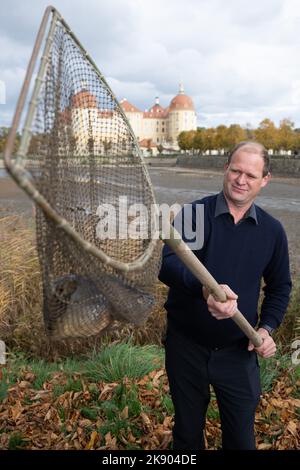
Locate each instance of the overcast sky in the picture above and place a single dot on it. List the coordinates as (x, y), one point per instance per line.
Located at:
(238, 60)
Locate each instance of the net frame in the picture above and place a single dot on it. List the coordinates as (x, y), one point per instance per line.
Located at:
(15, 167)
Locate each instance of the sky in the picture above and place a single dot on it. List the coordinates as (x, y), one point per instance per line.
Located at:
(238, 60)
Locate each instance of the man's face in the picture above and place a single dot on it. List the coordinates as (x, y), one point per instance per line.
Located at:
(243, 178)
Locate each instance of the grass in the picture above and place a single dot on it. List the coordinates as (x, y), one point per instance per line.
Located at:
(116, 361)
(273, 367)
(213, 411)
(42, 371)
(167, 405)
(4, 386)
(16, 442)
(89, 413)
(290, 328)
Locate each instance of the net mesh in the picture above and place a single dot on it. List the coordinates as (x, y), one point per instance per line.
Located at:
(83, 158)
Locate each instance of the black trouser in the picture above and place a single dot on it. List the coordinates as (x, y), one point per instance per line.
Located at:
(234, 374)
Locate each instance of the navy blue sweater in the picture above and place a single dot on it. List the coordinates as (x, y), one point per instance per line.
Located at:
(240, 255)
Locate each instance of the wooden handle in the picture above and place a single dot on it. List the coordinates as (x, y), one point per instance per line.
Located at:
(186, 255)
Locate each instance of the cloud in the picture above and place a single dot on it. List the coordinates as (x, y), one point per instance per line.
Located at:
(239, 62)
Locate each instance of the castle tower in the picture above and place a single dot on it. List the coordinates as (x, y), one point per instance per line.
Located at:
(182, 115)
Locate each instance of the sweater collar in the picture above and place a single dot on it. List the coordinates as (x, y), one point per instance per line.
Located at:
(222, 208)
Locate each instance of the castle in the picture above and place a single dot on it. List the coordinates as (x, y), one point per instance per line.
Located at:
(161, 126)
(90, 123)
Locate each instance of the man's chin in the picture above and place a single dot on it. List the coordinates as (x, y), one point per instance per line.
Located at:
(238, 197)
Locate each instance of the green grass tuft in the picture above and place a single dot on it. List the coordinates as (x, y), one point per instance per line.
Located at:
(121, 360)
(16, 442)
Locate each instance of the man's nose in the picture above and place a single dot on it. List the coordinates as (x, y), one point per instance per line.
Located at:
(242, 179)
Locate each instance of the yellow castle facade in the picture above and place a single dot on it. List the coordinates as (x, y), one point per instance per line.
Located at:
(155, 127)
(161, 126)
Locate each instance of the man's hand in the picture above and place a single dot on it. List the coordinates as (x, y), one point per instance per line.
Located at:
(221, 310)
(268, 348)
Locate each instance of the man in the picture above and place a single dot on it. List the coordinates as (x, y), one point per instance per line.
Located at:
(242, 245)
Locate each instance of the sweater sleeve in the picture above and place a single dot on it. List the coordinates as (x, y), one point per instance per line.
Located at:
(277, 283)
(173, 271)
(175, 274)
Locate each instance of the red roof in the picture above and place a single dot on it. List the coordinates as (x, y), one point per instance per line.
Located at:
(147, 143)
(156, 115)
(156, 112)
(128, 107)
(65, 116)
(84, 99)
(104, 113)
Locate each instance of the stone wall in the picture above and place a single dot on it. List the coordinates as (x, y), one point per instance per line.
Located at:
(279, 166)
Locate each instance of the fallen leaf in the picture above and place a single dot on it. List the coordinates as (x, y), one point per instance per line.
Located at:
(156, 378)
(124, 413)
(264, 446)
(16, 411)
(292, 428)
(91, 442)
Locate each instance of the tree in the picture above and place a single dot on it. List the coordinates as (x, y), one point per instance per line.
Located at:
(199, 141)
(235, 134)
(106, 145)
(296, 147)
(267, 134)
(4, 131)
(209, 138)
(221, 138)
(160, 148)
(185, 140)
(249, 131)
(286, 135)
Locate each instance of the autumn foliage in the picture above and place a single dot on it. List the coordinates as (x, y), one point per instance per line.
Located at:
(223, 138)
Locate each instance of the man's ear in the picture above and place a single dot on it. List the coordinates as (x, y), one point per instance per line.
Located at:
(266, 179)
(226, 165)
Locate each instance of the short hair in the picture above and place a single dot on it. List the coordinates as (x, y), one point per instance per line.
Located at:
(258, 148)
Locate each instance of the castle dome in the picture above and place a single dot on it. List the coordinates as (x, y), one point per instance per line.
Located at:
(181, 102)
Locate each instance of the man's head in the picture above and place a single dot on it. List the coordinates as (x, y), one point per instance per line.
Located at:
(246, 172)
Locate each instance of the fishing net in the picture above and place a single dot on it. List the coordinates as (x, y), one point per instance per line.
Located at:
(80, 162)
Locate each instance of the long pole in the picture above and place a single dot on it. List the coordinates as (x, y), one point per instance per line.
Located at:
(186, 255)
